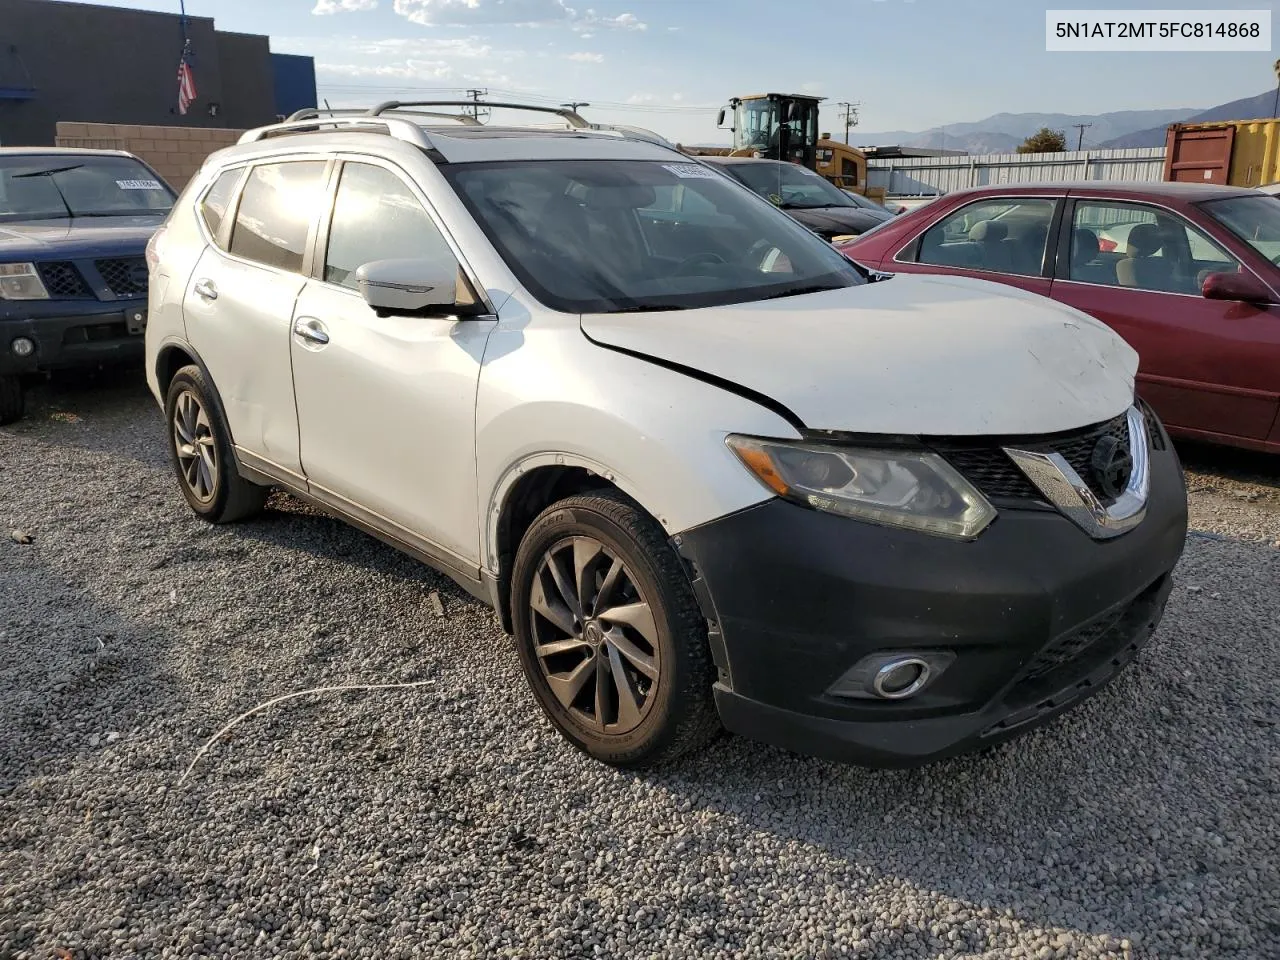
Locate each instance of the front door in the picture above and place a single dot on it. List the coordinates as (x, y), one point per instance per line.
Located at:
(1139, 269)
(386, 405)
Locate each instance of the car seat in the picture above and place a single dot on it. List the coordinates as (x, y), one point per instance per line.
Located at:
(1141, 268)
(989, 235)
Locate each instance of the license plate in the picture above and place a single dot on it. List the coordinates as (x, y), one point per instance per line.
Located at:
(136, 320)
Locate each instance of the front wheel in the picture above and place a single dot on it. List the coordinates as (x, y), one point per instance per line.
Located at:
(200, 447)
(609, 633)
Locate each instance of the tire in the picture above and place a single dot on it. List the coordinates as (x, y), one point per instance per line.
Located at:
(206, 466)
(657, 644)
(13, 399)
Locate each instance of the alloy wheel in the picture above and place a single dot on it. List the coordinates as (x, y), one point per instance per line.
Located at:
(594, 636)
(194, 444)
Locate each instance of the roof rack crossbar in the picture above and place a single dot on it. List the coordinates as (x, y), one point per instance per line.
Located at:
(396, 127)
(572, 117)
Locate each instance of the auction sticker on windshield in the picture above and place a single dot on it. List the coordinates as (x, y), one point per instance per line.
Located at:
(690, 171)
(139, 185)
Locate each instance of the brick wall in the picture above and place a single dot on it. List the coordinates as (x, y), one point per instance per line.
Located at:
(175, 152)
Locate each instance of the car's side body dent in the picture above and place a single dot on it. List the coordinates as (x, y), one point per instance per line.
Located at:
(549, 396)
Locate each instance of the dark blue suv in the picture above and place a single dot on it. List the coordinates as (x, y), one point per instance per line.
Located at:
(74, 225)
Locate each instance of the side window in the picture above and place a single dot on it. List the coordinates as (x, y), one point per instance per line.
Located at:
(1145, 248)
(376, 217)
(276, 207)
(216, 200)
(1002, 236)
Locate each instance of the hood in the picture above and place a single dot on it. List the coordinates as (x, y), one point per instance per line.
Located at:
(65, 239)
(839, 220)
(916, 355)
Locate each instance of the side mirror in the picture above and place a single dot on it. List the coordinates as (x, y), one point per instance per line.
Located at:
(1240, 287)
(413, 287)
(720, 118)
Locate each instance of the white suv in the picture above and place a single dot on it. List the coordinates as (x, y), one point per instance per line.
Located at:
(704, 469)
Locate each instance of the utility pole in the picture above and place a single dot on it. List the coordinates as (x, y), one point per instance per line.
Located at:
(1275, 111)
(476, 95)
(850, 116)
(1082, 127)
(574, 106)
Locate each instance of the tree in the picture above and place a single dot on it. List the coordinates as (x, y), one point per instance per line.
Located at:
(1045, 140)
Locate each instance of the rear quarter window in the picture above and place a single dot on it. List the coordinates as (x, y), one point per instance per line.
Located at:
(212, 207)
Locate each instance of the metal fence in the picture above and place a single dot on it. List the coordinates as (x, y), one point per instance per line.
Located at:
(930, 176)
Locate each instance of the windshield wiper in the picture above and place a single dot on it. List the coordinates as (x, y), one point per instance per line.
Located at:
(650, 308)
(800, 291)
(53, 182)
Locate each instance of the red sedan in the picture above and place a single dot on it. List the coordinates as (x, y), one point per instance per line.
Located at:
(1187, 273)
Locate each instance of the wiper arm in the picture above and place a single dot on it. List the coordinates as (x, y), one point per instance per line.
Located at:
(46, 173)
(651, 308)
(800, 291)
(54, 183)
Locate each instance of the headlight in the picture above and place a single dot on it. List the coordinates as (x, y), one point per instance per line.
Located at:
(19, 281)
(900, 488)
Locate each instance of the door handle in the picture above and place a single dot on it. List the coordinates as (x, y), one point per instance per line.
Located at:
(311, 330)
(205, 290)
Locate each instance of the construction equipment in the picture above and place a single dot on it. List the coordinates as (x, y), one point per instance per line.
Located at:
(784, 126)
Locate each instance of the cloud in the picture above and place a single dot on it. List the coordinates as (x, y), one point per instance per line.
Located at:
(431, 12)
(590, 20)
(530, 13)
(326, 7)
(584, 57)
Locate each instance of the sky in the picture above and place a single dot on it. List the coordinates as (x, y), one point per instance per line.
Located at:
(669, 64)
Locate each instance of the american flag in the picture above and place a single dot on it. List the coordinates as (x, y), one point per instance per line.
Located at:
(186, 81)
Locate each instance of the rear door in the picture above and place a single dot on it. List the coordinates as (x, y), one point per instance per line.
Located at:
(1147, 288)
(1005, 239)
(239, 303)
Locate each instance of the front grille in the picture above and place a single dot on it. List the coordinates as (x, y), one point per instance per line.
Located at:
(125, 276)
(63, 281)
(989, 468)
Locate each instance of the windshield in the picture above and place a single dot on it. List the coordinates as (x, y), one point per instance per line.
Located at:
(612, 236)
(1255, 220)
(789, 185)
(54, 186)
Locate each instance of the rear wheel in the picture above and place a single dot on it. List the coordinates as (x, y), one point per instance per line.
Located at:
(200, 447)
(609, 633)
(13, 399)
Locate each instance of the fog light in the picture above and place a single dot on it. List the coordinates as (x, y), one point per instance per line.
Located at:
(22, 347)
(899, 679)
(890, 675)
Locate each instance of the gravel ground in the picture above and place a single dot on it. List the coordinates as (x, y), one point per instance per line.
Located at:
(447, 819)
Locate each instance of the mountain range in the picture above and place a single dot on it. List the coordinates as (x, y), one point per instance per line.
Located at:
(1003, 132)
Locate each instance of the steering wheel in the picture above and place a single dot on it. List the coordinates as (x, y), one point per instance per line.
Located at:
(688, 263)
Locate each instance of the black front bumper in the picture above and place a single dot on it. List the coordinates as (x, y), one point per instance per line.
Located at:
(1037, 615)
(71, 333)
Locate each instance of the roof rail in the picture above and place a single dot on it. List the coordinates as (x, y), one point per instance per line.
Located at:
(396, 127)
(310, 113)
(572, 117)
